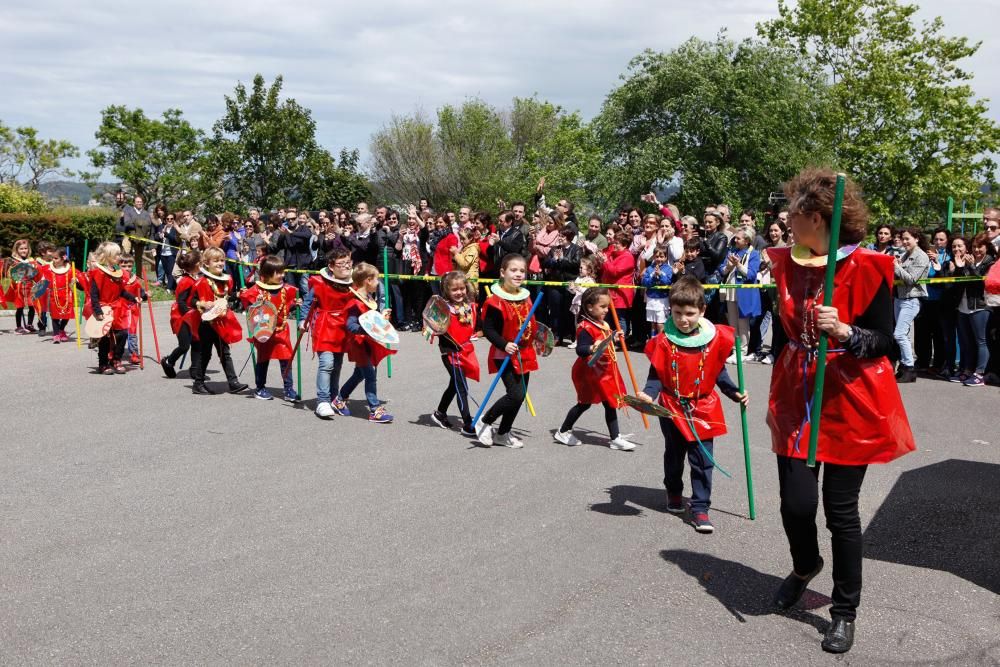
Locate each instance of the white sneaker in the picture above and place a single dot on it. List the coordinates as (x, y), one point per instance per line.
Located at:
(621, 444)
(508, 440)
(571, 345)
(731, 359)
(769, 359)
(484, 433)
(324, 411)
(567, 438)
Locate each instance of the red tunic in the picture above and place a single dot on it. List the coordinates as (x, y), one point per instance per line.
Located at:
(460, 334)
(602, 381)
(110, 290)
(329, 314)
(61, 287)
(362, 348)
(133, 287)
(83, 282)
(44, 273)
(694, 380)
(208, 289)
(513, 313)
(863, 419)
(279, 345)
(191, 316)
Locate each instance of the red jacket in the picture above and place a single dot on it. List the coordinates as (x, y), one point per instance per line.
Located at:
(603, 380)
(442, 254)
(619, 269)
(328, 323)
(61, 287)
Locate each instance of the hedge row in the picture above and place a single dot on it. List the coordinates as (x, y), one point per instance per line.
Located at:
(61, 226)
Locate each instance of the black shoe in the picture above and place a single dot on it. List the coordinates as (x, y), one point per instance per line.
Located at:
(168, 368)
(906, 374)
(793, 587)
(839, 637)
(238, 387)
(201, 388)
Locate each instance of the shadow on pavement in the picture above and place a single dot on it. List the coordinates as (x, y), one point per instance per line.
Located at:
(942, 517)
(742, 590)
(623, 499)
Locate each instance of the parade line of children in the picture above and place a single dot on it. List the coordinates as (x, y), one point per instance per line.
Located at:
(687, 359)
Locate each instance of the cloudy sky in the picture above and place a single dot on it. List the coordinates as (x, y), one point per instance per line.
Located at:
(355, 64)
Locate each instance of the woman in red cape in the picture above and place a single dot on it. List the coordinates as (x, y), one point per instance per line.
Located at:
(863, 420)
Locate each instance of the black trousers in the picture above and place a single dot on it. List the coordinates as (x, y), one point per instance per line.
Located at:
(19, 316)
(59, 326)
(993, 341)
(507, 406)
(202, 354)
(183, 345)
(575, 412)
(111, 348)
(457, 386)
(799, 487)
(928, 336)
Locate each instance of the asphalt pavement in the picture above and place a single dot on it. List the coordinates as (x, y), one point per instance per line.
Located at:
(142, 524)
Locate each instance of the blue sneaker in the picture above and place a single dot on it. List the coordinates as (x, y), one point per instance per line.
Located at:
(974, 380)
(340, 407)
(379, 416)
(701, 522)
(291, 396)
(263, 394)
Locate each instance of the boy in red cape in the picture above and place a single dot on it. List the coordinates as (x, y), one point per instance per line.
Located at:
(327, 301)
(133, 287)
(46, 253)
(184, 317)
(362, 349)
(687, 361)
(218, 333)
(272, 287)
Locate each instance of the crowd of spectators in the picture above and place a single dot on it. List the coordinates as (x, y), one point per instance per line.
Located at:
(946, 331)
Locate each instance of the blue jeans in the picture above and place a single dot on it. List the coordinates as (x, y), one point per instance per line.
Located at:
(328, 375)
(366, 373)
(675, 449)
(972, 339)
(260, 374)
(906, 312)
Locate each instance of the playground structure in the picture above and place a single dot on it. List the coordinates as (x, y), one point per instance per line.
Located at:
(976, 215)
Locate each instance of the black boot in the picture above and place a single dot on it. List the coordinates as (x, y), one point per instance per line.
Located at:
(839, 637)
(168, 368)
(237, 386)
(906, 374)
(201, 388)
(793, 587)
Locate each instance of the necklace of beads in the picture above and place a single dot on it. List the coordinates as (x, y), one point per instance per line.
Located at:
(216, 290)
(67, 288)
(698, 383)
(521, 310)
(462, 311)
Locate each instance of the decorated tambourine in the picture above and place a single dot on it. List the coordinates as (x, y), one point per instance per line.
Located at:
(22, 271)
(218, 309)
(262, 318)
(543, 341)
(379, 328)
(98, 329)
(597, 351)
(437, 315)
(39, 289)
(645, 407)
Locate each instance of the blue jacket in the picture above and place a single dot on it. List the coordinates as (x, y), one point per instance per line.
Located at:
(748, 300)
(665, 278)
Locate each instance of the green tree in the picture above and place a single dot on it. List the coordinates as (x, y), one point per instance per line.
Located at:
(731, 121)
(406, 162)
(904, 120)
(15, 199)
(264, 153)
(158, 159)
(22, 149)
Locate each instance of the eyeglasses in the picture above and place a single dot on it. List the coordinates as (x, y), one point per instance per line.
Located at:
(343, 265)
(992, 228)
(170, 217)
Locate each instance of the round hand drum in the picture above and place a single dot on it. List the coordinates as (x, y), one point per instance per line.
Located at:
(98, 329)
(379, 328)
(217, 310)
(39, 289)
(598, 349)
(544, 341)
(22, 271)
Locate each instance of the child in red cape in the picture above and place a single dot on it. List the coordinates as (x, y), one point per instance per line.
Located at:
(458, 353)
(687, 361)
(184, 317)
(107, 290)
(362, 349)
(61, 285)
(218, 333)
(600, 381)
(133, 287)
(327, 300)
(272, 287)
(20, 290)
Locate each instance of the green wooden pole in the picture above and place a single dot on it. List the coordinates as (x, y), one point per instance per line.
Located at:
(951, 211)
(746, 431)
(388, 302)
(816, 408)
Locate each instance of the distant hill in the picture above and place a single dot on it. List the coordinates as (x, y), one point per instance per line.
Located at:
(71, 193)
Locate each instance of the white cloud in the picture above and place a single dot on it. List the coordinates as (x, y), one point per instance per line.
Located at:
(354, 64)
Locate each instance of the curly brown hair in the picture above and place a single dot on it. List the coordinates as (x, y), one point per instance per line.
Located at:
(812, 191)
